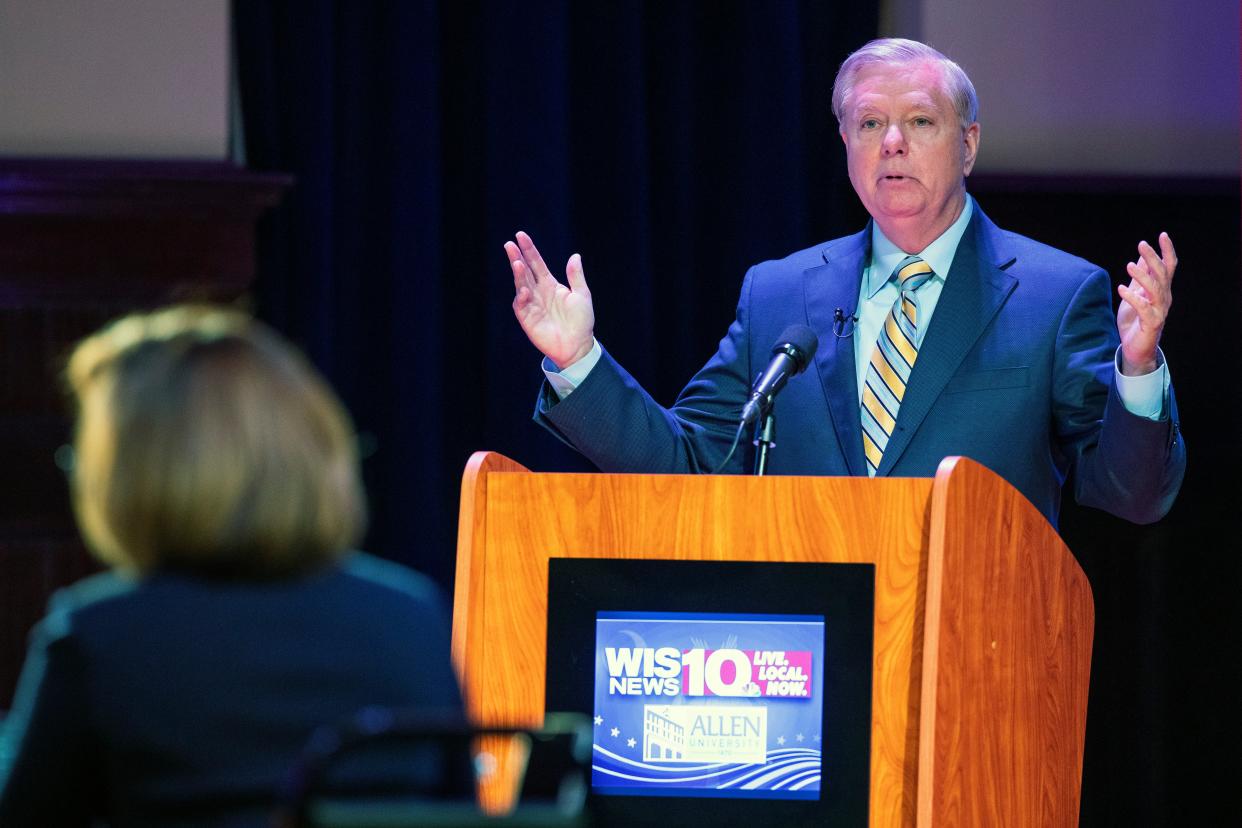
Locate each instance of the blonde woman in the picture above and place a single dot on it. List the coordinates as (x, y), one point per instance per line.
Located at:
(216, 474)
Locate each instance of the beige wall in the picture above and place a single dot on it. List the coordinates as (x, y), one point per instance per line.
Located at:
(116, 78)
(1094, 86)
(1066, 86)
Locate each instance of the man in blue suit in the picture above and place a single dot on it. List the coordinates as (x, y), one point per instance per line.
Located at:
(953, 336)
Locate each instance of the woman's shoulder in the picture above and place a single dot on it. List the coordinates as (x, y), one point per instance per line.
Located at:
(115, 599)
(384, 575)
(94, 592)
(69, 605)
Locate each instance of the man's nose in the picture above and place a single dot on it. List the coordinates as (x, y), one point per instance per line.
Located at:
(894, 141)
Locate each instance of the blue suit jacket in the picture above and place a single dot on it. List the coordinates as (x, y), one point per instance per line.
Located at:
(177, 701)
(1016, 371)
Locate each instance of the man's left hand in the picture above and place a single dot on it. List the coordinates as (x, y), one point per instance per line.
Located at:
(1145, 306)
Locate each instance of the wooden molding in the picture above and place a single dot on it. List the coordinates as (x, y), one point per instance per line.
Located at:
(78, 233)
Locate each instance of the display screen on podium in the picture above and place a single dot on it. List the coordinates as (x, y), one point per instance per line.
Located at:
(721, 692)
(708, 704)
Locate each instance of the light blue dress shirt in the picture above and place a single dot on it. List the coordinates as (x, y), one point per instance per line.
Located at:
(879, 288)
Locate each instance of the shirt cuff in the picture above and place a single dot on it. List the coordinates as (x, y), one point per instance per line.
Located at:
(1143, 396)
(564, 382)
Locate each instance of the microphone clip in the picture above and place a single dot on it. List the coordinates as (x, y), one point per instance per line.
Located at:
(839, 321)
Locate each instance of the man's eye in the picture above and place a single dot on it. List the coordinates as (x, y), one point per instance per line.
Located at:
(870, 123)
(922, 121)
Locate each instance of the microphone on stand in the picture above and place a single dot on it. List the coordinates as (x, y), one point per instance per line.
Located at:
(790, 356)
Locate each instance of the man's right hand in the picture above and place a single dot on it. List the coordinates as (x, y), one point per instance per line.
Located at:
(559, 320)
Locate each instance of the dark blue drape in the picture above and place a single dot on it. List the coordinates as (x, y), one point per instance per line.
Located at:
(671, 143)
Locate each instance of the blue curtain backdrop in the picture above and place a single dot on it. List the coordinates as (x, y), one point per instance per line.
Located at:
(423, 135)
(673, 144)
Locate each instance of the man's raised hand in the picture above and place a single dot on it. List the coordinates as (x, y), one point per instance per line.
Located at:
(1145, 305)
(558, 320)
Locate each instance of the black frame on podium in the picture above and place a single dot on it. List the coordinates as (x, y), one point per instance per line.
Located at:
(843, 594)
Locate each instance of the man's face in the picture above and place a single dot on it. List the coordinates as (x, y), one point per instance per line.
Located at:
(908, 154)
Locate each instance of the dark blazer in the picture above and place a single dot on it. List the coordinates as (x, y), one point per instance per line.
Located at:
(174, 701)
(1015, 371)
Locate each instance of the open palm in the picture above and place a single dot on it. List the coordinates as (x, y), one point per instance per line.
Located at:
(1145, 305)
(559, 320)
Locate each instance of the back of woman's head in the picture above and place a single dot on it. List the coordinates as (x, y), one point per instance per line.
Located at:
(206, 443)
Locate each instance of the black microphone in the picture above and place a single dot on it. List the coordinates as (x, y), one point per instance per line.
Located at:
(791, 354)
(839, 320)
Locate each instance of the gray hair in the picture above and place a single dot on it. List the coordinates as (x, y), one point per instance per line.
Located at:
(898, 50)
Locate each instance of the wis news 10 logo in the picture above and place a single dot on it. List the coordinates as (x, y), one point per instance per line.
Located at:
(707, 732)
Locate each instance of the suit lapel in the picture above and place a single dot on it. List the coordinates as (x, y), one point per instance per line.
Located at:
(974, 291)
(830, 286)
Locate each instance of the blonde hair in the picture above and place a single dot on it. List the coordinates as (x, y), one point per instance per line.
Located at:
(206, 443)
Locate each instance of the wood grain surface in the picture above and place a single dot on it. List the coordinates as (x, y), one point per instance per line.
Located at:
(1007, 661)
(513, 522)
(982, 632)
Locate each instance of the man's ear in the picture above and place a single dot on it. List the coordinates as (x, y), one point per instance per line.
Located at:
(971, 139)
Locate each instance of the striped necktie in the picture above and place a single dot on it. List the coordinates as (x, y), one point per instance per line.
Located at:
(894, 355)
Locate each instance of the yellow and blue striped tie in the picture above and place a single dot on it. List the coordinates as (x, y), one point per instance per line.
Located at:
(894, 355)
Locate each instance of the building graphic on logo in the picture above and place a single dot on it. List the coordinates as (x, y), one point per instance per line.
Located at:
(705, 733)
(663, 738)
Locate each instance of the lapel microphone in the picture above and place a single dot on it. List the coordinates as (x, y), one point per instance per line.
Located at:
(839, 321)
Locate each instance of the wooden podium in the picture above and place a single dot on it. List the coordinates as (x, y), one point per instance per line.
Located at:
(983, 619)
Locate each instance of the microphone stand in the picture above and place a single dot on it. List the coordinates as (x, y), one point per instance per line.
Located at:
(765, 438)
